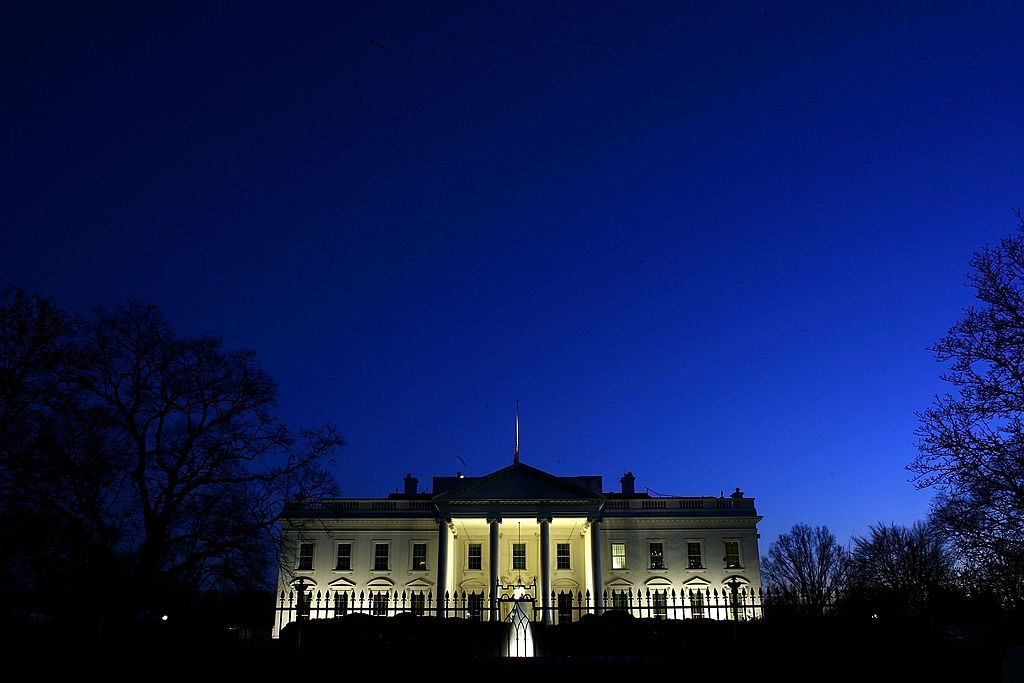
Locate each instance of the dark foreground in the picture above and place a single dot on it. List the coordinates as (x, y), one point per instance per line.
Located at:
(766, 650)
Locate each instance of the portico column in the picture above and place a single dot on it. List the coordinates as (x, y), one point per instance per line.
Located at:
(494, 522)
(545, 567)
(442, 562)
(595, 563)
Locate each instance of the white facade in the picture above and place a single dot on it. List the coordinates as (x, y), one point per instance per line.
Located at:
(557, 536)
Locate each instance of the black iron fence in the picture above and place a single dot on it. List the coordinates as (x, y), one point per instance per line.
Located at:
(562, 607)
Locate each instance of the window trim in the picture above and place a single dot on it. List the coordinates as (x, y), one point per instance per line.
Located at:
(376, 596)
(468, 557)
(335, 596)
(351, 548)
(625, 555)
(739, 553)
(568, 556)
(703, 555)
(512, 557)
(664, 563)
(312, 556)
(421, 597)
(373, 557)
(412, 556)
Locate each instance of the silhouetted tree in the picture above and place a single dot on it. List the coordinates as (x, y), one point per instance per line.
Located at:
(900, 569)
(159, 456)
(971, 442)
(805, 567)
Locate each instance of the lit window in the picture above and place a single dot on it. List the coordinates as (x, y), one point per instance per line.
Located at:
(518, 556)
(732, 554)
(344, 557)
(618, 555)
(475, 559)
(306, 555)
(419, 556)
(562, 559)
(380, 557)
(657, 556)
(694, 556)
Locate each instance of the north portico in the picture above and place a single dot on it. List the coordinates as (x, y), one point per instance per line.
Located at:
(536, 529)
(458, 549)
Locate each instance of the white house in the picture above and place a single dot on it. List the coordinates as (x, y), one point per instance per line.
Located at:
(472, 543)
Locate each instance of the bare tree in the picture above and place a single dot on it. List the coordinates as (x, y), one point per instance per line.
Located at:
(805, 566)
(901, 568)
(162, 453)
(971, 442)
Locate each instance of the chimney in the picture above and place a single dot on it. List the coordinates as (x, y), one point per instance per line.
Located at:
(627, 482)
(411, 484)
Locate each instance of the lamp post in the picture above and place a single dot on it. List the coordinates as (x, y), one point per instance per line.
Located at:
(734, 596)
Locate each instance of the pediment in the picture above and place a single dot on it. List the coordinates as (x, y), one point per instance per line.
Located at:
(380, 582)
(737, 579)
(419, 584)
(519, 482)
(471, 585)
(620, 584)
(696, 582)
(658, 581)
(341, 583)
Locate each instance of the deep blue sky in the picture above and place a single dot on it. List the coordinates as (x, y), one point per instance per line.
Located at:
(698, 243)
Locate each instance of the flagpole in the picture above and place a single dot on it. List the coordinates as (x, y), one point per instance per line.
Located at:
(515, 458)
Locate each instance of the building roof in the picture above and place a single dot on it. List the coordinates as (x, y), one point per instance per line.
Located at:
(517, 482)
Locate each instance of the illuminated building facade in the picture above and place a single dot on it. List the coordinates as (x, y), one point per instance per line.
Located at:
(577, 549)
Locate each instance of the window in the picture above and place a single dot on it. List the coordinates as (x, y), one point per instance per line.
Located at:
(418, 604)
(564, 607)
(562, 556)
(657, 556)
(618, 555)
(694, 556)
(696, 604)
(419, 556)
(660, 600)
(518, 556)
(732, 555)
(475, 606)
(620, 600)
(380, 557)
(475, 558)
(303, 598)
(344, 562)
(380, 604)
(340, 604)
(306, 555)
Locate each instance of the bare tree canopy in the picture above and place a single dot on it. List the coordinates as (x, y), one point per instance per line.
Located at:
(903, 566)
(160, 454)
(805, 565)
(971, 441)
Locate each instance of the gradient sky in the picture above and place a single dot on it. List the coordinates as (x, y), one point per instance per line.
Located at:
(697, 242)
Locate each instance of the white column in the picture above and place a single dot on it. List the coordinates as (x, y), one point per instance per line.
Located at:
(545, 567)
(494, 522)
(442, 562)
(595, 562)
